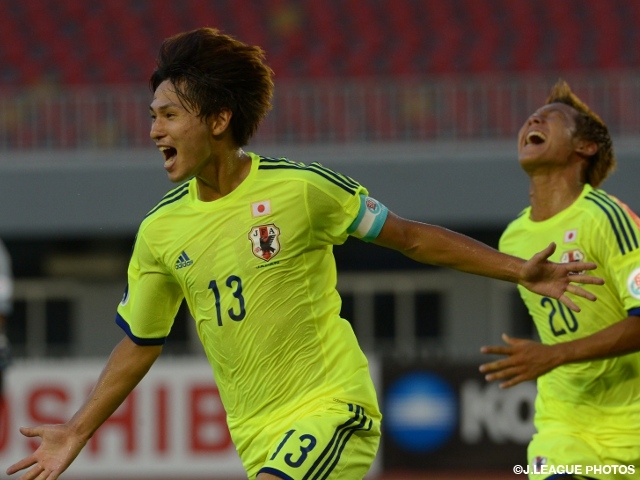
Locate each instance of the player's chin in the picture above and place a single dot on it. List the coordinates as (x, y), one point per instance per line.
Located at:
(176, 176)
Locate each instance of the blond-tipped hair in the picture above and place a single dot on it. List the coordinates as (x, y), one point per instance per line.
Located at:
(590, 127)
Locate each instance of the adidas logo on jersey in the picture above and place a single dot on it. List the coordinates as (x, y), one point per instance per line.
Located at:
(183, 261)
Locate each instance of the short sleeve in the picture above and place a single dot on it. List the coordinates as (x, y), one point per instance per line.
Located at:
(619, 253)
(151, 298)
(333, 204)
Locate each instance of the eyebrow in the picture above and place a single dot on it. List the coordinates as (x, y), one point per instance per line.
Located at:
(164, 107)
(558, 108)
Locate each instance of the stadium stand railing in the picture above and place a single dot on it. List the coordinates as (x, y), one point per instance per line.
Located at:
(395, 313)
(320, 111)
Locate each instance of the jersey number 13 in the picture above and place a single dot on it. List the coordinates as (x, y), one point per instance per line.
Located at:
(236, 312)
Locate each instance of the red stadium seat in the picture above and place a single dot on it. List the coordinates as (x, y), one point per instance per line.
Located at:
(322, 38)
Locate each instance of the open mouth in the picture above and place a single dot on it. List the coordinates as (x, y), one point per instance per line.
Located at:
(168, 152)
(535, 138)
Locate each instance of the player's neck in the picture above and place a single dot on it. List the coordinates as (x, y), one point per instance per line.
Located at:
(551, 194)
(222, 175)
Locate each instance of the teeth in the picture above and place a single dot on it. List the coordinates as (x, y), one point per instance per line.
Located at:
(535, 137)
(162, 149)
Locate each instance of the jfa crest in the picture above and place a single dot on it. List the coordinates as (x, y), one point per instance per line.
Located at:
(265, 241)
(573, 256)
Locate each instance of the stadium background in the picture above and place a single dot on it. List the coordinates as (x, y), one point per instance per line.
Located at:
(418, 100)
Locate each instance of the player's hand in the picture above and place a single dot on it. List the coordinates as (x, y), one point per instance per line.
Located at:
(526, 360)
(556, 279)
(59, 447)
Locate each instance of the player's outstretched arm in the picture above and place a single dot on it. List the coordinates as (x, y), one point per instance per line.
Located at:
(527, 360)
(439, 246)
(61, 444)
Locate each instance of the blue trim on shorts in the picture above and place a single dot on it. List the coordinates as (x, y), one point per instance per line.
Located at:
(277, 473)
(330, 456)
(122, 323)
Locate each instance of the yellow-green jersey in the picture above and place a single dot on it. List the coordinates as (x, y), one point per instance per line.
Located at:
(257, 270)
(603, 394)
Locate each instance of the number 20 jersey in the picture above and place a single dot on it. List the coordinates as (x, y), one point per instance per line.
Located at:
(595, 228)
(256, 268)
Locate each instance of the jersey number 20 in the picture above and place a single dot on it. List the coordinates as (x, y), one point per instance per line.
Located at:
(567, 315)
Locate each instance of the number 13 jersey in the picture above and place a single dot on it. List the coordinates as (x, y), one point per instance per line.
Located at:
(257, 270)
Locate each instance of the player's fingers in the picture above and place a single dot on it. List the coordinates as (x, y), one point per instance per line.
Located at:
(514, 381)
(546, 253)
(513, 341)
(581, 292)
(551, 248)
(30, 432)
(496, 350)
(505, 373)
(21, 465)
(32, 474)
(495, 366)
(578, 278)
(580, 266)
(42, 475)
(47, 475)
(487, 367)
(569, 303)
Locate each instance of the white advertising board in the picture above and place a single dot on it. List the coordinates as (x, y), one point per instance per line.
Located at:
(171, 426)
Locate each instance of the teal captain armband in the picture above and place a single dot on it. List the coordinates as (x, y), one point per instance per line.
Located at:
(370, 219)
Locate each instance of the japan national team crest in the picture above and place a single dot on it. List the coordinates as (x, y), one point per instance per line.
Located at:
(573, 256)
(265, 241)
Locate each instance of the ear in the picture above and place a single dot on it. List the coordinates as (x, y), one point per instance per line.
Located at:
(586, 148)
(220, 122)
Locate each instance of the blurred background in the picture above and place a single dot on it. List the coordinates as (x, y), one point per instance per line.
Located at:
(419, 100)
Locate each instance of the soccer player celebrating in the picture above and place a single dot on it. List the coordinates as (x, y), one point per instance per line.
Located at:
(587, 413)
(247, 241)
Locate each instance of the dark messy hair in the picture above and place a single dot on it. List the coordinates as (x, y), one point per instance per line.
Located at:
(212, 72)
(589, 127)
